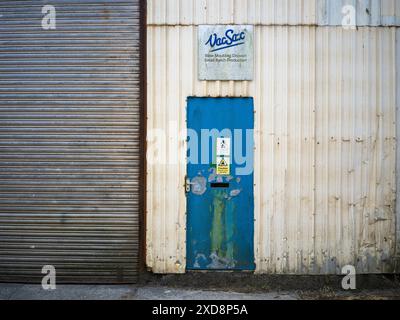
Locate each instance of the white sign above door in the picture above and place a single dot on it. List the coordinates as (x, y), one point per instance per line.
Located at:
(226, 52)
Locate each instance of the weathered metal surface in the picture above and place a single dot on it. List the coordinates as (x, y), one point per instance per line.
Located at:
(325, 102)
(220, 226)
(272, 12)
(69, 141)
(196, 12)
(367, 12)
(355, 150)
(398, 149)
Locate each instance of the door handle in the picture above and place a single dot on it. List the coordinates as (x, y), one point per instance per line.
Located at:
(188, 185)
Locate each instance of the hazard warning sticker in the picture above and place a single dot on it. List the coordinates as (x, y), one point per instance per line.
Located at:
(223, 166)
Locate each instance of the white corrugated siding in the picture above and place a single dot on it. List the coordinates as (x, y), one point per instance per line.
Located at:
(271, 12)
(194, 12)
(368, 12)
(325, 102)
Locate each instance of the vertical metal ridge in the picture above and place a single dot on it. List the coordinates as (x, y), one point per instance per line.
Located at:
(397, 259)
(143, 140)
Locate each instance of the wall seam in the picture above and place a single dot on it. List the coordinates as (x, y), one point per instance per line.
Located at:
(397, 97)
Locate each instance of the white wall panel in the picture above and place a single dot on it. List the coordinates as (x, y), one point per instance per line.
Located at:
(272, 12)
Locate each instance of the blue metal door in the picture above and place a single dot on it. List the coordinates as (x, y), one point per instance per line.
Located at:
(219, 185)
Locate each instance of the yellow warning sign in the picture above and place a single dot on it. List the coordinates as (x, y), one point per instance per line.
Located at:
(223, 166)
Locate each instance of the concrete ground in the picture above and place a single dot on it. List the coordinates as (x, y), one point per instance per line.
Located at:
(132, 292)
(127, 292)
(215, 286)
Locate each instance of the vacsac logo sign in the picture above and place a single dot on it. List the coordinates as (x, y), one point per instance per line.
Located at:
(225, 52)
(228, 40)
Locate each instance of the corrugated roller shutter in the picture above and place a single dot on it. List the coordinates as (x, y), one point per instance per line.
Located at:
(69, 140)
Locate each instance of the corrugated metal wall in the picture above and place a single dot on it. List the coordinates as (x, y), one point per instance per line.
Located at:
(194, 12)
(69, 140)
(368, 12)
(325, 101)
(271, 12)
(356, 146)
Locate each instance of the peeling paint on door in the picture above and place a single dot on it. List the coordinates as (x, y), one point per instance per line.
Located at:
(220, 220)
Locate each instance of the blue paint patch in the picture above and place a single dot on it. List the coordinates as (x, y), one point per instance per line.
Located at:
(220, 222)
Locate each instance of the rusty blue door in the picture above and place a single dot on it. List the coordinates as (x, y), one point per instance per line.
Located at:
(219, 184)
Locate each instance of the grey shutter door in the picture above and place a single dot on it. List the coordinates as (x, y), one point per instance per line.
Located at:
(69, 141)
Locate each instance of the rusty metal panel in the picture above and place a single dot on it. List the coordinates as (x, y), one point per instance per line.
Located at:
(69, 140)
(325, 100)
